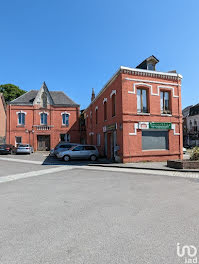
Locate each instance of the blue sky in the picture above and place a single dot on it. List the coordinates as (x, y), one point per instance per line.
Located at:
(76, 45)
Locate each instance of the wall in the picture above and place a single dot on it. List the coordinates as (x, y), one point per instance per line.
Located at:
(33, 120)
(132, 137)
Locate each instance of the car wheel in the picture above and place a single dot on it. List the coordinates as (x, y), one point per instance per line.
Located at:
(66, 158)
(93, 158)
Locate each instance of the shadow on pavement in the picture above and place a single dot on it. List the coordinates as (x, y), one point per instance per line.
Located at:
(51, 160)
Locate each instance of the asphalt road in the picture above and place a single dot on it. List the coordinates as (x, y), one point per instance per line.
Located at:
(91, 216)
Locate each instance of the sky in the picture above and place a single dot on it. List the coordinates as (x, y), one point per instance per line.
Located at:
(75, 46)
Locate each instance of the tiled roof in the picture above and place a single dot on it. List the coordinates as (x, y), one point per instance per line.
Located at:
(59, 99)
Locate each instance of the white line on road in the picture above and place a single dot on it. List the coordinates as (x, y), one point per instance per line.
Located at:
(18, 176)
(23, 161)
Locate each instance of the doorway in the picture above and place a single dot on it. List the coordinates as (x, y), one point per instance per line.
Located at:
(43, 142)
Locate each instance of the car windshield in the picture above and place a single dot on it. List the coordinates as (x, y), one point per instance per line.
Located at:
(23, 146)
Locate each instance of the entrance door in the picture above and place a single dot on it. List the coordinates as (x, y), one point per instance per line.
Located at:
(43, 142)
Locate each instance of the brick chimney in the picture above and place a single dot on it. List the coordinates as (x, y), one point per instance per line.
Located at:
(93, 95)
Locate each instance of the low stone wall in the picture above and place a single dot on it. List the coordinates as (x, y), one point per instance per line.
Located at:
(183, 164)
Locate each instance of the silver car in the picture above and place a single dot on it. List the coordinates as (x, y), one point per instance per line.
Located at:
(79, 152)
(62, 146)
(24, 148)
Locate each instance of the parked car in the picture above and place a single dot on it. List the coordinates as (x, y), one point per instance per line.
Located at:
(79, 152)
(24, 148)
(7, 149)
(62, 146)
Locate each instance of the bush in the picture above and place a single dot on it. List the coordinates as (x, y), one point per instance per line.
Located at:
(195, 154)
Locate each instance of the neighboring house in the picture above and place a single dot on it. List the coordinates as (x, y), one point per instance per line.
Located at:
(42, 118)
(2, 119)
(185, 114)
(137, 115)
(191, 126)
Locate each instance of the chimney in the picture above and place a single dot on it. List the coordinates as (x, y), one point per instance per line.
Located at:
(93, 95)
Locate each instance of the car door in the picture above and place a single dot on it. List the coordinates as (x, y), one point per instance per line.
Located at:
(77, 152)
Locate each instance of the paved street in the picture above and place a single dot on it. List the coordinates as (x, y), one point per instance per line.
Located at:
(87, 215)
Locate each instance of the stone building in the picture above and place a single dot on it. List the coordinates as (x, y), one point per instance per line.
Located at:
(137, 115)
(42, 118)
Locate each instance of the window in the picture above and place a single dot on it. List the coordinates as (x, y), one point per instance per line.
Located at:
(21, 118)
(105, 111)
(96, 116)
(142, 101)
(165, 104)
(79, 148)
(18, 140)
(65, 137)
(89, 148)
(190, 124)
(150, 67)
(113, 105)
(43, 119)
(195, 126)
(98, 139)
(65, 119)
(155, 140)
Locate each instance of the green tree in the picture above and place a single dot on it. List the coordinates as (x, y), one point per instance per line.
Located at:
(11, 91)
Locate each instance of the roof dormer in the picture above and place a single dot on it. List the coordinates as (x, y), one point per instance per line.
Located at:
(148, 64)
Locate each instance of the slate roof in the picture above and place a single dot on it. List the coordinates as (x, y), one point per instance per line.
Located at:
(59, 99)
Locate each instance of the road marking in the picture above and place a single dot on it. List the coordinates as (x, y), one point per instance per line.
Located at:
(18, 176)
(23, 161)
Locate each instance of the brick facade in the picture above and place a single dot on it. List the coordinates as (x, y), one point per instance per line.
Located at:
(35, 133)
(122, 135)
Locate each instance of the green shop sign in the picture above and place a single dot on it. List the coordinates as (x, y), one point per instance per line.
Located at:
(154, 125)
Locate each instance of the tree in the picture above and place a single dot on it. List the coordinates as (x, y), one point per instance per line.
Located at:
(11, 91)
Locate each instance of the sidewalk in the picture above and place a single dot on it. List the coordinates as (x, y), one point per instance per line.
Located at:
(159, 166)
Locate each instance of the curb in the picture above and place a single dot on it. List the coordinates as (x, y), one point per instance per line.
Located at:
(143, 168)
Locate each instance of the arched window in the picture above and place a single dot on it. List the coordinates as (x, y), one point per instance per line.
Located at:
(96, 116)
(105, 111)
(190, 124)
(65, 119)
(195, 126)
(21, 118)
(44, 117)
(113, 105)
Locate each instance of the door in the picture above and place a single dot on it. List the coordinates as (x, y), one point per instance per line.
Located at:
(43, 143)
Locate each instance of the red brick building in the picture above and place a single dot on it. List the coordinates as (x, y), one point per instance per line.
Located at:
(2, 119)
(42, 118)
(137, 115)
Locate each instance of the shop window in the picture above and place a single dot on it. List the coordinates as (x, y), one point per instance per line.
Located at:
(155, 140)
(43, 119)
(65, 119)
(21, 118)
(165, 102)
(105, 111)
(142, 101)
(113, 105)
